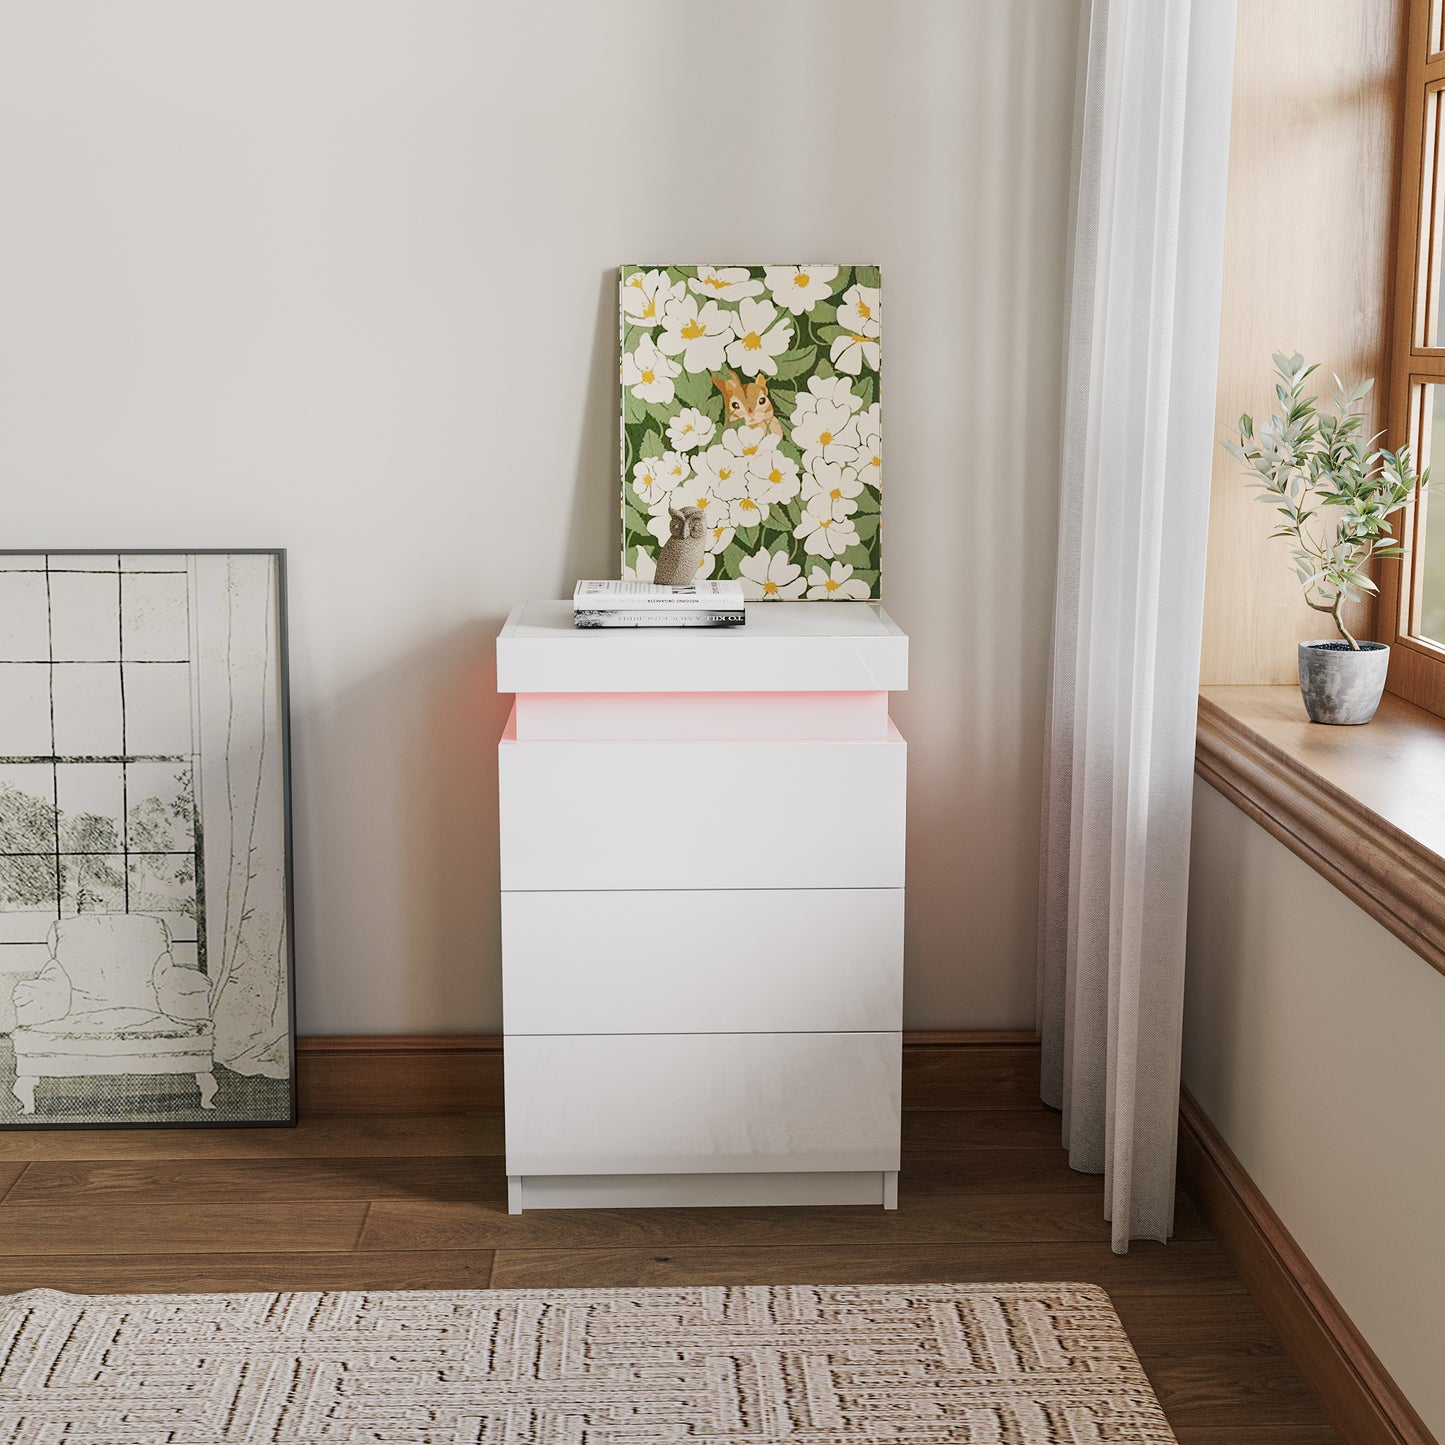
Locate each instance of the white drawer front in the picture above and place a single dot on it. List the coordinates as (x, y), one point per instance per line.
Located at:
(719, 814)
(684, 961)
(697, 1103)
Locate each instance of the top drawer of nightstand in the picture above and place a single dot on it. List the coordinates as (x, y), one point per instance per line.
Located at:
(702, 814)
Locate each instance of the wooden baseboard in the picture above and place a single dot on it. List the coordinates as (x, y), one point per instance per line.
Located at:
(462, 1074)
(1362, 1400)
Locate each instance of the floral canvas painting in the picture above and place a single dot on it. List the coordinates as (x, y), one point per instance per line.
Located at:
(751, 393)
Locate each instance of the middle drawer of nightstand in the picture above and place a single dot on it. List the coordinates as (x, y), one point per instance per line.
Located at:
(703, 961)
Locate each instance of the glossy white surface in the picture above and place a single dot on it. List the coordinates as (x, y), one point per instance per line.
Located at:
(630, 815)
(572, 716)
(785, 647)
(691, 1191)
(702, 1103)
(693, 961)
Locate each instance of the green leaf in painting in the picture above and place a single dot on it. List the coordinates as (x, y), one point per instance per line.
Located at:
(694, 388)
(865, 524)
(651, 445)
(660, 412)
(634, 409)
(796, 363)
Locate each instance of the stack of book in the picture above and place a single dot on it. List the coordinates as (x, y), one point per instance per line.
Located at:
(643, 604)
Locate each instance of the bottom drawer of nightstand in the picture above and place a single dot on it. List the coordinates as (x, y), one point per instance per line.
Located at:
(695, 1103)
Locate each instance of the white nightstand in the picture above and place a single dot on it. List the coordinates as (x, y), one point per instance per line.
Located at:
(702, 909)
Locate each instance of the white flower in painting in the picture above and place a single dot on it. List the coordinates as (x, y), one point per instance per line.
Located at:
(718, 538)
(869, 459)
(689, 429)
(840, 484)
(859, 311)
(697, 493)
(647, 481)
(746, 442)
(725, 283)
(852, 351)
(674, 469)
(659, 519)
(699, 334)
(800, 288)
(772, 477)
(770, 575)
(643, 570)
(837, 584)
(645, 294)
(723, 473)
(649, 373)
(826, 529)
(837, 389)
(762, 336)
(747, 511)
(827, 432)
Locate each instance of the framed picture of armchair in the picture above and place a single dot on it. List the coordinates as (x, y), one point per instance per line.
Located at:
(146, 956)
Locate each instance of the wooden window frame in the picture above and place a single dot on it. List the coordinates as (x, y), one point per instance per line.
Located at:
(1417, 665)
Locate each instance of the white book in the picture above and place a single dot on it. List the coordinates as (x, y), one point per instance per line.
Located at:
(724, 596)
(614, 617)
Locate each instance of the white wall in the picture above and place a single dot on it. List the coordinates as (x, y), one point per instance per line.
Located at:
(1315, 1041)
(338, 276)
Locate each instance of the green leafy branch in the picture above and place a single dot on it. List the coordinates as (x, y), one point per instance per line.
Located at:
(1333, 487)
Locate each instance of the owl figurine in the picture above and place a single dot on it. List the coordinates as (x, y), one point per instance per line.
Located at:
(682, 554)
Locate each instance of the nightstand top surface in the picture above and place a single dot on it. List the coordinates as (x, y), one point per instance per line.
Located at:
(784, 647)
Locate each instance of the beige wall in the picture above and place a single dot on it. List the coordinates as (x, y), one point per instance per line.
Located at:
(337, 276)
(1309, 232)
(1315, 1041)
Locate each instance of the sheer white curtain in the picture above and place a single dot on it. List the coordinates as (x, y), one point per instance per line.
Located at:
(1146, 259)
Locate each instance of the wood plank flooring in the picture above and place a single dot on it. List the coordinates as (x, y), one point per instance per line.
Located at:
(413, 1200)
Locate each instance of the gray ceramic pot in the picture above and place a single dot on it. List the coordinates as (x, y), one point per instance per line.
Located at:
(1339, 684)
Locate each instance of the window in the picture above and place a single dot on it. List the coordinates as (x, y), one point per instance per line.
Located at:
(1412, 608)
(97, 775)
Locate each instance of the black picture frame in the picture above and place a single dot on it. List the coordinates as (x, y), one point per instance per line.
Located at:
(280, 1109)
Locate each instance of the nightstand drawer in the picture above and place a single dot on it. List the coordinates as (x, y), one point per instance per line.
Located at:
(708, 814)
(690, 1103)
(686, 961)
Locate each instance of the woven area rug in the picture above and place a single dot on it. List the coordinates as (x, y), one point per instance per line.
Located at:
(1006, 1364)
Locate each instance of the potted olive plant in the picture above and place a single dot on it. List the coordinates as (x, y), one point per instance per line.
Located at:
(1335, 492)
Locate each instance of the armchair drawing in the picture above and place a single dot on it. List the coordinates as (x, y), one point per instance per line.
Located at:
(111, 1001)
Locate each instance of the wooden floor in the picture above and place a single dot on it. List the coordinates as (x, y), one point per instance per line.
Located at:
(401, 1200)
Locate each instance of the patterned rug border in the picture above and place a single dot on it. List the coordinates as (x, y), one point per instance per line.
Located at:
(1028, 1362)
(1097, 1292)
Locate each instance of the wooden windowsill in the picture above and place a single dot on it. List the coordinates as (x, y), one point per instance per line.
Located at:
(1363, 806)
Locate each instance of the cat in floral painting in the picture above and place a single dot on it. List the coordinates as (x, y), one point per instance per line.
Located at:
(748, 403)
